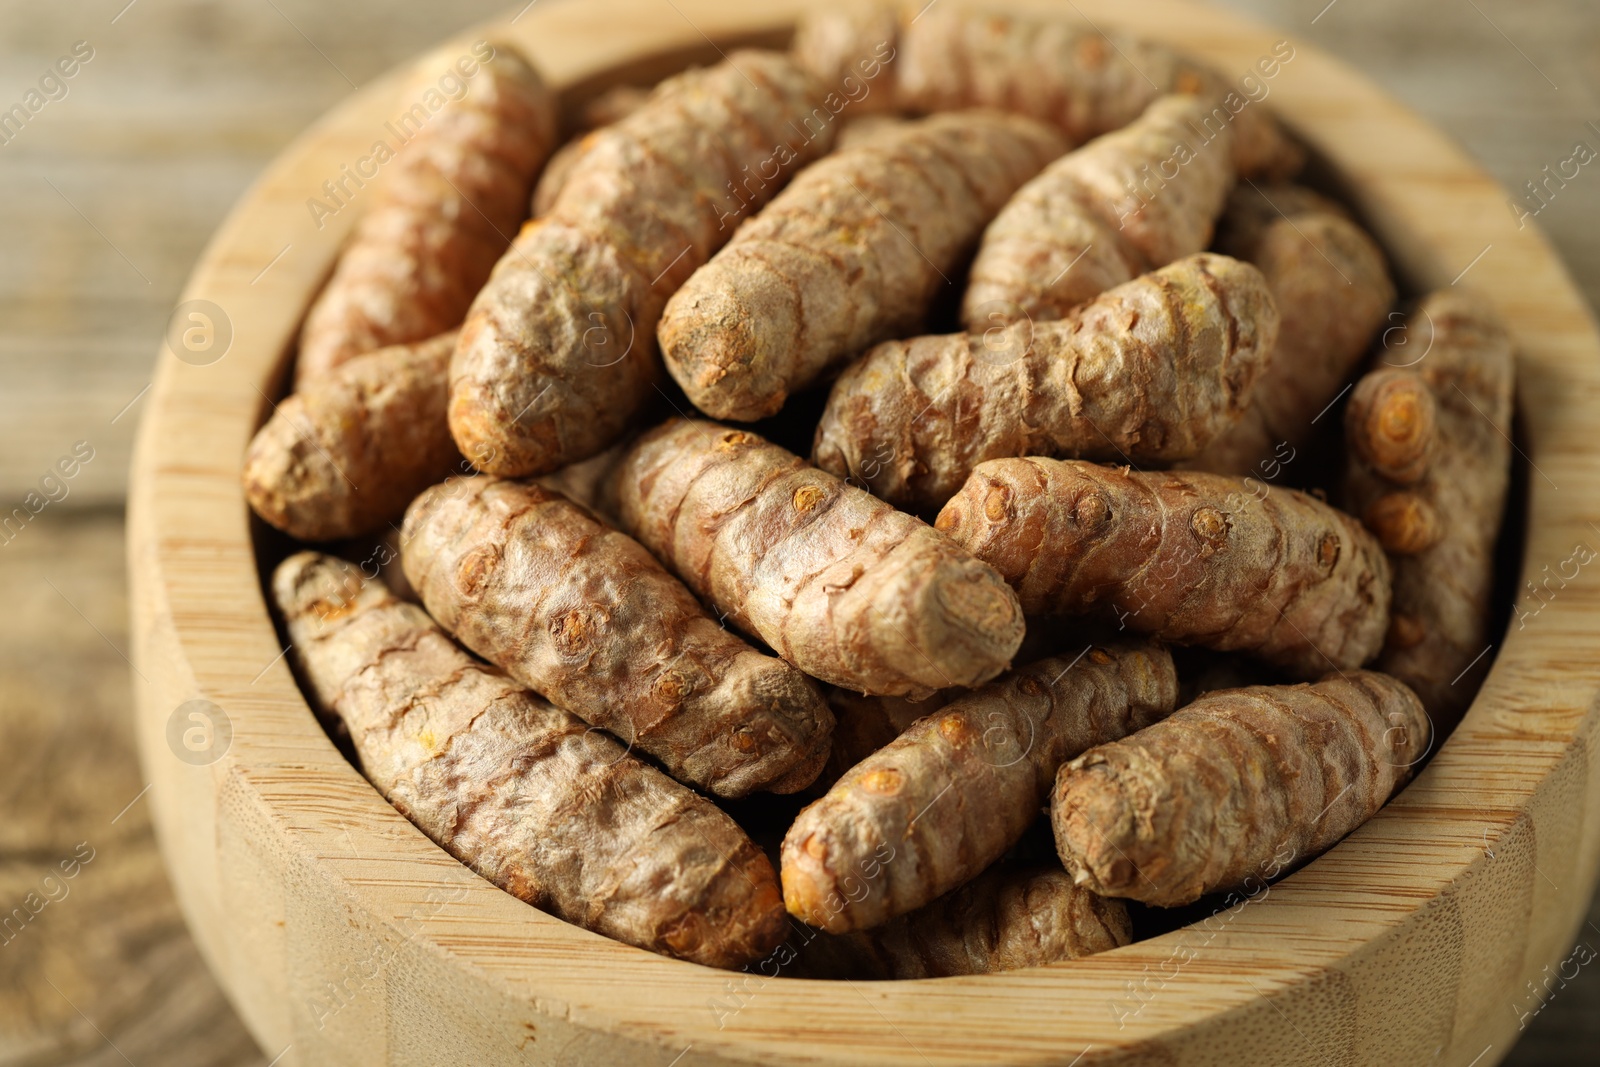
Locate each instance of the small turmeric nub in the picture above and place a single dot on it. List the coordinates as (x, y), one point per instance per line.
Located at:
(1391, 424)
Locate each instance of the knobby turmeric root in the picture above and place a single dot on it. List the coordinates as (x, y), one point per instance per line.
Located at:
(443, 211)
(548, 809)
(835, 581)
(583, 615)
(1236, 787)
(1194, 558)
(949, 796)
(348, 452)
(851, 253)
(1151, 371)
(1011, 916)
(1059, 70)
(1102, 216)
(1442, 527)
(558, 352)
(1332, 290)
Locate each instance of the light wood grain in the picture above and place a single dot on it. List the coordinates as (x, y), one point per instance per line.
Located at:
(1396, 947)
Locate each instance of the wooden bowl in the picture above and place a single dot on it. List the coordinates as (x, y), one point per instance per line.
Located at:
(345, 936)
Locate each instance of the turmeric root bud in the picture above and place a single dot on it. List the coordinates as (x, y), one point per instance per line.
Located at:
(1391, 424)
(1404, 523)
(1236, 787)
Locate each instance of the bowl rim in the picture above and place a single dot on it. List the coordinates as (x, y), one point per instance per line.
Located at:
(1495, 789)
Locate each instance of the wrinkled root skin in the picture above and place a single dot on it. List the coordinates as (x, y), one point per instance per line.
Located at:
(1443, 527)
(533, 799)
(558, 353)
(1204, 559)
(1237, 787)
(835, 581)
(441, 214)
(345, 454)
(947, 798)
(1149, 372)
(1009, 917)
(582, 614)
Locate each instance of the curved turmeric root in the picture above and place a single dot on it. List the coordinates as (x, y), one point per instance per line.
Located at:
(346, 453)
(851, 253)
(1442, 527)
(548, 809)
(1193, 558)
(1010, 916)
(558, 353)
(835, 581)
(583, 615)
(1102, 216)
(949, 796)
(1332, 290)
(443, 211)
(1151, 371)
(1059, 70)
(1236, 787)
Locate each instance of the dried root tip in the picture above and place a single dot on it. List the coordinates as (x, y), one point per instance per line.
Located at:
(1234, 789)
(348, 452)
(1404, 523)
(553, 812)
(956, 789)
(1149, 372)
(1193, 558)
(1391, 424)
(835, 581)
(584, 615)
(437, 220)
(851, 253)
(1009, 917)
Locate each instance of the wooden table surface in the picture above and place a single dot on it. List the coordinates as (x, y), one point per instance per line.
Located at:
(106, 198)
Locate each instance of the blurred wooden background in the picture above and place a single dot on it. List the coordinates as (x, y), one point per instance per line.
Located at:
(107, 196)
